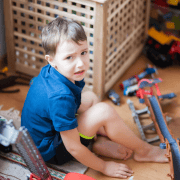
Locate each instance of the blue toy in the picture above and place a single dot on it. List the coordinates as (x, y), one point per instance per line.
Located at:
(135, 79)
(130, 90)
(115, 98)
(168, 141)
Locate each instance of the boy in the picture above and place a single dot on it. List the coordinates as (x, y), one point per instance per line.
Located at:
(54, 98)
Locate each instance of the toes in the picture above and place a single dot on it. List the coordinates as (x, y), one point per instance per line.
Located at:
(128, 154)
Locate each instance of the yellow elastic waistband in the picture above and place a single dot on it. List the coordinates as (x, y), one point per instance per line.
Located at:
(86, 137)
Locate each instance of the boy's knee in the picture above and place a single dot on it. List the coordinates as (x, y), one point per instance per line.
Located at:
(105, 109)
(94, 96)
(91, 95)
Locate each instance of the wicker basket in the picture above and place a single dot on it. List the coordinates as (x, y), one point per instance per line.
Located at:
(116, 30)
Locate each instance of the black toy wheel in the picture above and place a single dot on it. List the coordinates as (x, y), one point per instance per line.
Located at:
(5, 149)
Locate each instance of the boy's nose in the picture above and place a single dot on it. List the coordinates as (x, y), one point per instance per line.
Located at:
(80, 62)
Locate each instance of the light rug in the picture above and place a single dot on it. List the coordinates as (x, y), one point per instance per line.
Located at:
(71, 166)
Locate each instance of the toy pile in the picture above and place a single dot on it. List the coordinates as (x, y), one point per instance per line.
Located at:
(130, 86)
(163, 43)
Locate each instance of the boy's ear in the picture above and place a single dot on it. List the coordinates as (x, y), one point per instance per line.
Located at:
(50, 60)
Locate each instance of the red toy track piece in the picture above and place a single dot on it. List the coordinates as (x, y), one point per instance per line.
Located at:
(77, 176)
(34, 177)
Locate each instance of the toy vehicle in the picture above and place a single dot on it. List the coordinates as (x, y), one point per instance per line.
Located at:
(115, 98)
(161, 48)
(131, 90)
(150, 70)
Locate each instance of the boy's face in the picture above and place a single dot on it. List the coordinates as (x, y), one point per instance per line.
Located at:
(71, 60)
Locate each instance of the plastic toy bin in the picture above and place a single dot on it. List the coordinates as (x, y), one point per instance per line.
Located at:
(116, 31)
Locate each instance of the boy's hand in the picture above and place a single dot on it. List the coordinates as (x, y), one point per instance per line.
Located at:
(119, 170)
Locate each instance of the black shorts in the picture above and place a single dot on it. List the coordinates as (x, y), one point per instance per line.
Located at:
(62, 155)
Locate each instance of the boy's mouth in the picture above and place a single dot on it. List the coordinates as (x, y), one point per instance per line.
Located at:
(80, 72)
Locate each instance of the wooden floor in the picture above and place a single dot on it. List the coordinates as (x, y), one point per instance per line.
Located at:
(170, 76)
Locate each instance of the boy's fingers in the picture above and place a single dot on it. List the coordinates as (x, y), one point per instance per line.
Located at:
(126, 169)
(122, 166)
(123, 174)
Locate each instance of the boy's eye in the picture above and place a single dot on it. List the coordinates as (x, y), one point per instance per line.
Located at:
(84, 53)
(69, 57)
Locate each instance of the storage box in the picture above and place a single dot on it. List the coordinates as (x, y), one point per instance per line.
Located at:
(116, 31)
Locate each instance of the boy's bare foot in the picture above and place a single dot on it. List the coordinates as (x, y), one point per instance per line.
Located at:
(119, 170)
(123, 152)
(152, 154)
(105, 147)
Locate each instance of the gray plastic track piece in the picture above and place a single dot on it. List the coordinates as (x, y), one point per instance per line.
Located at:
(136, 119)
(142, 129)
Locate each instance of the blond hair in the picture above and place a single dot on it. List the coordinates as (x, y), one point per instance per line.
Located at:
(59, 30)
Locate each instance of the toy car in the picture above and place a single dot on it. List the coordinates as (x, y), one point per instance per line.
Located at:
(115, 98)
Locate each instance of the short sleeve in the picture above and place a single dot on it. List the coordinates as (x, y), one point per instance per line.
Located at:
(62, 112)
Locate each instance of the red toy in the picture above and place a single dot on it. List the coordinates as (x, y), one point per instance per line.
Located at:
(77, 176)
(175, 49)
(140, 93)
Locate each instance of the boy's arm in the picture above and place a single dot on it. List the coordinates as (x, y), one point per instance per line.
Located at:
(71, 140)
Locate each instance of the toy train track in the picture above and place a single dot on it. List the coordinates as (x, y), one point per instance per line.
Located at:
(142, 129)
(168, 141)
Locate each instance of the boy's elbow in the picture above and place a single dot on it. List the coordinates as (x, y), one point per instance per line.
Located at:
(74, 150)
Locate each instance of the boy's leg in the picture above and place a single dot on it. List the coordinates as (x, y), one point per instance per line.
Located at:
(88, 99)
(105, 147)
(103, 115)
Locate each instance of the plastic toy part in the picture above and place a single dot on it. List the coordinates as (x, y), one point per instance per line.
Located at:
(174, 157)
(115, 98)
(167, 139)
(5, 69)
(175, 50)
(77, 176)
(8, 133)
(142, 129)
(162, 49)
(26, 147)
(131, 90)
(135, 79)
(34, 177)
(31, 155)
(149, 83)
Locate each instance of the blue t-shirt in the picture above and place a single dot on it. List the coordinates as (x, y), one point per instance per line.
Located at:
(50, 107)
